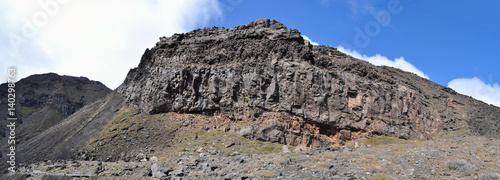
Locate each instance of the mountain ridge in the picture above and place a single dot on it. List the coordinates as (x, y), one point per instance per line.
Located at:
(50, 95)
(200, 104)
(264, 66)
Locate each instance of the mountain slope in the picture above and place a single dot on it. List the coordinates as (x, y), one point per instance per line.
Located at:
(59, 141)
(46, 99)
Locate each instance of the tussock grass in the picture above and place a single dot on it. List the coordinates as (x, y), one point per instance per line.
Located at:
(458, 165)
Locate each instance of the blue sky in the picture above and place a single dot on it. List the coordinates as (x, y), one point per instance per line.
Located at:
(445, 40)
(454, 44)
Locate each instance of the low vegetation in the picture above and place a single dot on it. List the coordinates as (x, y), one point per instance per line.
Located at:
(52, 119)
(459, 165)
(381, 140)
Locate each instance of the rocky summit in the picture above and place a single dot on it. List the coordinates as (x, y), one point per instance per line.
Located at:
(317, 94)
(257, 101)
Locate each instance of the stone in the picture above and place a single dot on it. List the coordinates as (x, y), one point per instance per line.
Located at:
(158, 175)
(235, 153)
(140, 157)
(285, 149)
(154, 168)
(300, 148)
(200, 150)
(188, 120)
(229, 145)
(128, 168)
(147, 172)
(179, 171)
(154, 159)
(168, 171)
(76, 164)
(214, 152)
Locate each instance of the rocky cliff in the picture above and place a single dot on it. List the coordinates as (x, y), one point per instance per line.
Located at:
(316, 94)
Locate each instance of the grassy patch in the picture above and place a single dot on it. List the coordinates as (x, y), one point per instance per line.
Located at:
(322, 165)
(382, 140)
(383, 177)
(121, 121)
(26, 111)
(52, 119)
(265, 173)
(130, 130)
(218, 140)
(258, 147)
(425, 178)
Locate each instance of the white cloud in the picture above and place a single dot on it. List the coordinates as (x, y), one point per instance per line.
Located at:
(307, 39)
(477, 89)
(101, 40)
(380, 60)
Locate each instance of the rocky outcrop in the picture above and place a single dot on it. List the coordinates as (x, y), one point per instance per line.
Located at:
(265, 66)
(65, 93)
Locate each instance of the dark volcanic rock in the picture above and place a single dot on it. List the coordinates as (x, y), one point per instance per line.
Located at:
(65, 93)
(316, 91)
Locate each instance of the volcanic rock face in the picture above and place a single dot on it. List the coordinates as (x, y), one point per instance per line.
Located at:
(264, 70)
